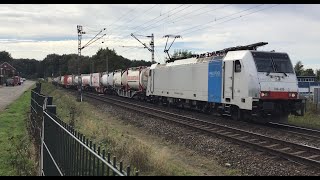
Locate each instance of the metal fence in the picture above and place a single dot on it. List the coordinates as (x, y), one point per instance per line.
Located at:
(63, 150)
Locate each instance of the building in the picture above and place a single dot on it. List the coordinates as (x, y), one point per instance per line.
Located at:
(6, 70)
(307, 84)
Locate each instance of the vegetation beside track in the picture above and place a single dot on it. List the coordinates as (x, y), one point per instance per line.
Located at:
(16, 149)
(115, 138)
(311, 119)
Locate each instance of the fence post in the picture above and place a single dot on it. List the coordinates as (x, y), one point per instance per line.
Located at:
(41, 151)
(49, 100)
(52, 109)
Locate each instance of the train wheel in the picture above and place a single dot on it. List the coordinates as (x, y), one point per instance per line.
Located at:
(283, 118)
(236, 113)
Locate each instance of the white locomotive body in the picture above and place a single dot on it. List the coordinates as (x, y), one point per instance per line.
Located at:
(238, 84)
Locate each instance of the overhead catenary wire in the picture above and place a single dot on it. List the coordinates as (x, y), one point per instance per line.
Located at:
(200, 27)
(173, 9)
(211, 10)
(93, 42)
(203, 24)
(93, 38)
(123, 15)
(163, 18)
(178, 18)
(130, 21)
(158, 16)
(237, 17)
(193, 16)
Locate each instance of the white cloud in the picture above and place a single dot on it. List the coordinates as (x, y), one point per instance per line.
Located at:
(52, 28)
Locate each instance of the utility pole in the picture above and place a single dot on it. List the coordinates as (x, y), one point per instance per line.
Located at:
(80, 32)
(107, 68)
(151, 48)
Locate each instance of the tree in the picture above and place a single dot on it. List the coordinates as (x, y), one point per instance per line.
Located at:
(298, 68)
(5, 57)
(308, 72)
(181, 54)
(318, 74)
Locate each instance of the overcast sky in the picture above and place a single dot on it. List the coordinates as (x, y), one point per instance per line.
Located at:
(34, 31)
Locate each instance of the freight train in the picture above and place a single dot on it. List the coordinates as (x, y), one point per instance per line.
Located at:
(240, 82)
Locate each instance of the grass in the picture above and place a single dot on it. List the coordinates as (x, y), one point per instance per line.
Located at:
(15, 145)
(311, 119)
(106, 131)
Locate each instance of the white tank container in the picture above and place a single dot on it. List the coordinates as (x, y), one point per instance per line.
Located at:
(95, 80)
(104, 80)
(61, 80)
(124, 78)
(86, 79)
(110, 79)
(69, 80)
(144, 75)
(76, 80)
(117, 79)
(133, 79)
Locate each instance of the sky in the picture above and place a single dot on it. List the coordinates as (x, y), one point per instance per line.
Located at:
(36, 30)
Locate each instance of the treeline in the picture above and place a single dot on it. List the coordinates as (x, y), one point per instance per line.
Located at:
(54, 64)
(301, 71)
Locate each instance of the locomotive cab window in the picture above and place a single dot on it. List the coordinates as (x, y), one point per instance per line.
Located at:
(237, 66)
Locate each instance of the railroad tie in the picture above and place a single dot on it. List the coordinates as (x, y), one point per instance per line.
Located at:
(243, 137)
(262, 142)
(273, 145)
(225, 133)
(233, 135)
(313, 156)
(284, 149)
(298, 152)
(252, 140)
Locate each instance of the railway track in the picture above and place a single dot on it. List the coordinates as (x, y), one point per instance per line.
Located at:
(302, 154)
(312, 134)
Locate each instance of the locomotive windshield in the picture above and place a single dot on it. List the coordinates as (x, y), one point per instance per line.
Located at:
(272, 62)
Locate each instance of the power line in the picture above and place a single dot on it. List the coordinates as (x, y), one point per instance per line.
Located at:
(155, 18)
(217, 19)
(158, 16)
(184, 18)
(205, 6)
(93, 38)
(133, 19)
(163, 18)
(189, 18)
(237, 17)
(142, 13)
(123, 16)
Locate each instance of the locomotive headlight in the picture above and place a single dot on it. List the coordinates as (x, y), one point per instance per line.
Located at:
(264, 94)
(292, 95)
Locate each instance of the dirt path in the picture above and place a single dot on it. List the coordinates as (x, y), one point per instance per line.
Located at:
(8, 94)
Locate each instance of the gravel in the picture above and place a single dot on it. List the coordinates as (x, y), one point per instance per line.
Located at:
(251, 127)
(249, 161)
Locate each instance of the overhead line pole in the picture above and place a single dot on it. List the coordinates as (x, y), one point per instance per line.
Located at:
(151, 48)
(80, 32)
